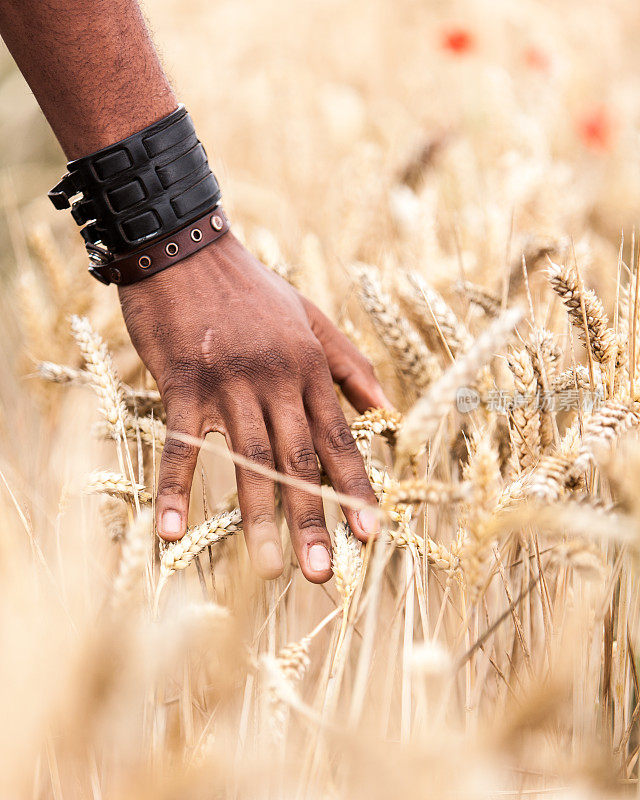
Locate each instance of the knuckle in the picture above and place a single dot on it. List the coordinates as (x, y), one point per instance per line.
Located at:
(258, 517)
(312, 356)
(177, 451)
(180, 382)
(340, 439)
(302, 460)
(356, 483)
(258, 451)
(171, 486)
(309, 518)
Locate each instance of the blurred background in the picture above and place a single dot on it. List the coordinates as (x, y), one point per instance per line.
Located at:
(311, 111)
(444, 137)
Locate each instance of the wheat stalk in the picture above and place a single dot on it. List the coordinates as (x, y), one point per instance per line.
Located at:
(134, 555)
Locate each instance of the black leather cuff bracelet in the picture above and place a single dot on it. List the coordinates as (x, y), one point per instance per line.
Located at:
(140, 189)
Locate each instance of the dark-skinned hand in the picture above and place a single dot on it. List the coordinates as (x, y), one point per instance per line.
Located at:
(235, 349)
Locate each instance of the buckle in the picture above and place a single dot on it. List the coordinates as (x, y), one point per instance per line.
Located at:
(99, 257)
(83, 211)
(63, 191)
(95, 272)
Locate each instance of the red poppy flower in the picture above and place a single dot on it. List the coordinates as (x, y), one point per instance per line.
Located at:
(458, 40)
(595, 129)
(535, 58)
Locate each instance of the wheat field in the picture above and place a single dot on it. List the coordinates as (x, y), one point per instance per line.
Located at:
(456, 185)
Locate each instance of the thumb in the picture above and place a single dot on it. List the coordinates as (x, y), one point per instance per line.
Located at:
(349, 368)
(175, 477)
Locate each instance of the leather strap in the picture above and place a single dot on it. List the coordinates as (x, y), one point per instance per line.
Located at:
(162, 253)
(146, 186)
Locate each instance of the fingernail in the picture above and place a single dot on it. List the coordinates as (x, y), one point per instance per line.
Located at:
(319, 558)
(270, 558)
(369, 521)
(171, 523)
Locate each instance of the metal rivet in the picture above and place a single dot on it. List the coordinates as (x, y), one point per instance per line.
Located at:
(196, 234)
(171, 249)
(144, 262)
(115, 275)
(216, 222)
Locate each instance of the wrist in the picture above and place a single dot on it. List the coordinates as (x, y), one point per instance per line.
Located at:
(166, 252)
(99, 127)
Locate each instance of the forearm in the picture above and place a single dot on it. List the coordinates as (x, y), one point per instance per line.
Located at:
(91, 65)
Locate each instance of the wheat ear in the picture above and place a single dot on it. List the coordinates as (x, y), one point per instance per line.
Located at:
(60, 373)
(151, 431)
(433, 316)
(483, 474)
(375, 422)
(604, 428)
(573, 378)
(417, 490)
(103, 375)
(116, 485)
(479, 296)
(292, 663)
(598, 335)
(347, 562)
(525, 434)
(142, 401)
(42, 242)
(417, 366)
(265, 245)
(180, 554)
(549, 480)
(422, 421)
(545, 355)
(114, 518)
